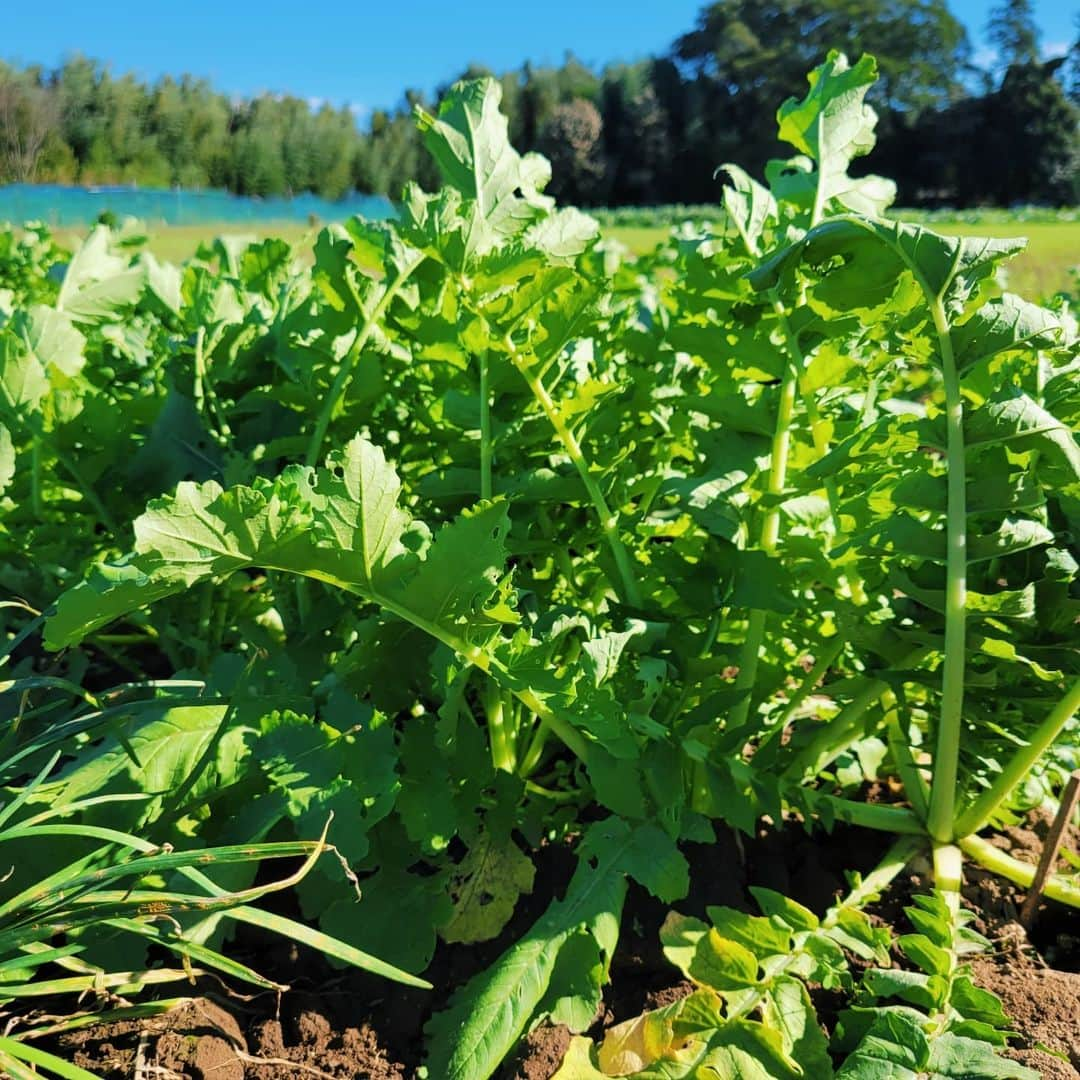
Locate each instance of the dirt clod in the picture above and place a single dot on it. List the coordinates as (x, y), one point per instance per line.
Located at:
(541, 1053)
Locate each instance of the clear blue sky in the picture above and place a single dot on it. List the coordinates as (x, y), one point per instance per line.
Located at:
(365, 53)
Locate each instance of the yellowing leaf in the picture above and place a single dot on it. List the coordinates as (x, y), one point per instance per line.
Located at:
(635, 1044)
(578, 1062)
(485, 887)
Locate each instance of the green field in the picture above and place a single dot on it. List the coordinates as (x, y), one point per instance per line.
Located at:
(1042, 270)
(175, 243)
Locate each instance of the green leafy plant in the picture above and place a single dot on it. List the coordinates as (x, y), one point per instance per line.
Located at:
(485, 540)
(936, 483)
(933, 1021)
(752, 1014)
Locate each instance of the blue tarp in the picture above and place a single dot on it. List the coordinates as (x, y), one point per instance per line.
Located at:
(61, 206)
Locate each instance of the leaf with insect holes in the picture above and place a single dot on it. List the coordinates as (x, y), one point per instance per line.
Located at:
(485, 887)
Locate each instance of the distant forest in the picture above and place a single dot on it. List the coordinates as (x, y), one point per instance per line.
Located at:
(641, 133)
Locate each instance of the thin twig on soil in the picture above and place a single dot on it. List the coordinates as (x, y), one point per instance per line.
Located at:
(1051, 848)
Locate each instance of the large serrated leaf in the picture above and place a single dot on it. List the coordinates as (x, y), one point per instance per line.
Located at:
(344, 528)
(863, 260)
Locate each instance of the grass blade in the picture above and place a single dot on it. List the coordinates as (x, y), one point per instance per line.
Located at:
(13, 1053)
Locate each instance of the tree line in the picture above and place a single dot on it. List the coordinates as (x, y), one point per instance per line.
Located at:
(641, 133)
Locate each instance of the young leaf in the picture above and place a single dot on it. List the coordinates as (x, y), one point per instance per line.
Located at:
(834, 126)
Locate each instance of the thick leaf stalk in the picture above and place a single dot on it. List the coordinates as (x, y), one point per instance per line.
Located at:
(1062, 889)
(485, 428)
(942, 813)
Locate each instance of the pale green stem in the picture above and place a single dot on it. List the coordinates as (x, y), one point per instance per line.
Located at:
(949, 873)
(485, 428)
(940, 821)
(748, 668)
(821, 448)
(609, 522)
(879, 816)
(500, 731)
(837, 734)
(892, 819)
(999, 862)
(814, 676)
(915, 786)
(348, 365)
(1020, 764)
(204, 394)
(817, 425)
(486, 662)
(711, 632)
(198, 388)
(819, 192)
(770, 528)
(808, 685)
(874, 883)
(546, 793)
(832, 737)
(781, 445)
(535, 751)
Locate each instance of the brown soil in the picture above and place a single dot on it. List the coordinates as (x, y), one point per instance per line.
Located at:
(349, 1025)
(541, 1053)
(204, 1041)
(1045, 1008)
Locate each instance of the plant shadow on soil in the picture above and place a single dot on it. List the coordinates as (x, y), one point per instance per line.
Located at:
(342, 1024)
